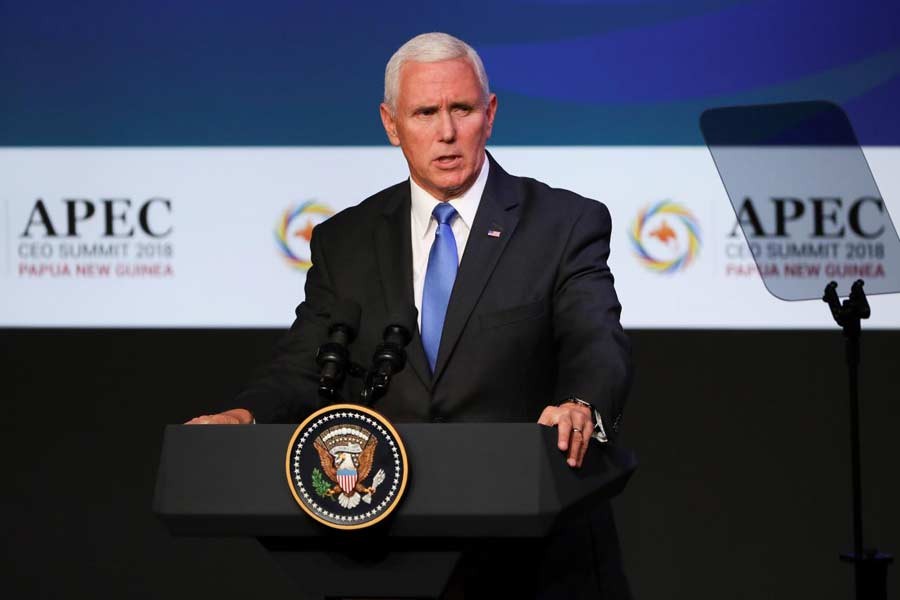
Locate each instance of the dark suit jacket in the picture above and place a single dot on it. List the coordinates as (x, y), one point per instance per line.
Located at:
(533, 318)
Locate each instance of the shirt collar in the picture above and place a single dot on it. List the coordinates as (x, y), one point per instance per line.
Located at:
(466, 205)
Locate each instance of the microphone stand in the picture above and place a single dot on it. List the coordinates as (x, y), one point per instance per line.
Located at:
(870, 565)
(389, 358)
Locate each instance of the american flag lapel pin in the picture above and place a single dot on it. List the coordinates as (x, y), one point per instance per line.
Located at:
(494, 233)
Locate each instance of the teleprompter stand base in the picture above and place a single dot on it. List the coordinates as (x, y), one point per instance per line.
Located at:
(870, 571)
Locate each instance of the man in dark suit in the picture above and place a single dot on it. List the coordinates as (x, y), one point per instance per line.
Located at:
(519, 320)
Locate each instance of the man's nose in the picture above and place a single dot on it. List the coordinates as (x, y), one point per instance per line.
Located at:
(447, 128)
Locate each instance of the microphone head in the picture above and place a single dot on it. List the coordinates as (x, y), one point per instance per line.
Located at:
(403, 322)
(345, 313)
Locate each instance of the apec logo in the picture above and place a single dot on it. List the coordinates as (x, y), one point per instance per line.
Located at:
(294, 232)
(809, 237)
(665, 237)
(96, 239)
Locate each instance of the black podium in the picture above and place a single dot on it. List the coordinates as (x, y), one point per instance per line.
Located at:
(470, 484)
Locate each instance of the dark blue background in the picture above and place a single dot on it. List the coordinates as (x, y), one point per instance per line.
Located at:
(283, 72)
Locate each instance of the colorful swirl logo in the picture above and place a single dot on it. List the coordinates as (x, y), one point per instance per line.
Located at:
(665, 237)
(294, 232)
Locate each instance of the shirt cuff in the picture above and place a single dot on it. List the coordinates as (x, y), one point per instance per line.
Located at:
(599, 433)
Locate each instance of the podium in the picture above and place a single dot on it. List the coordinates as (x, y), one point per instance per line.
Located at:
(470, 484)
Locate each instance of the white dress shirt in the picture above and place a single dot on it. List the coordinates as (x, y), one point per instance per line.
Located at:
(422, 226)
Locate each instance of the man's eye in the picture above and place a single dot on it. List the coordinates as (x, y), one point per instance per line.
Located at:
(462, 110)
(426, 112)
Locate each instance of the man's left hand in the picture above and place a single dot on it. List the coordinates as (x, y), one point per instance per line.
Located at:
(235, 416)
(575, 424)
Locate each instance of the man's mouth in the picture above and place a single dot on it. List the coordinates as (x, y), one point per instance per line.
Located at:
(448, 160)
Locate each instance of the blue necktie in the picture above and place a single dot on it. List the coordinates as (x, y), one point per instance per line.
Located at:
(443, 262)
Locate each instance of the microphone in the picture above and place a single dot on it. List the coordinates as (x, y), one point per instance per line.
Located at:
(390, 356)
(333, 356)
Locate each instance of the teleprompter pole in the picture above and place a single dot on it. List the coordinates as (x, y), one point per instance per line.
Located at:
(870, 565)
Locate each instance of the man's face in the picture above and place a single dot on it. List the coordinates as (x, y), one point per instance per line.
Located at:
(442, 124)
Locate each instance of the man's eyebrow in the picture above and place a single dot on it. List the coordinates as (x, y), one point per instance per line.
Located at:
(464, 105)
(425, 108)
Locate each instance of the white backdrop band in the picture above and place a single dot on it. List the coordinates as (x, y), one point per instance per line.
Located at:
(193, 237)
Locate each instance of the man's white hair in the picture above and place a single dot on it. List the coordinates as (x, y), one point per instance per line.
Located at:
(427, 48)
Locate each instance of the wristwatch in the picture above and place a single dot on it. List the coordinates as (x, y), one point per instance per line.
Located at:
(599, 433)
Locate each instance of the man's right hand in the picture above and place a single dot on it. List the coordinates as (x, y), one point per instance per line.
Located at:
(235, 416)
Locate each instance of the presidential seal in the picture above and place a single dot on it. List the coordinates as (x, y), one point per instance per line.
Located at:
(346, 466)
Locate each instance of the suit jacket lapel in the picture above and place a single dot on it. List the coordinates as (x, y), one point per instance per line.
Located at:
(395, 268)
(497, 213)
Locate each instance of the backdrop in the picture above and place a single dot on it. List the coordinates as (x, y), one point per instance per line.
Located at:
(164, 163)
(160, 163)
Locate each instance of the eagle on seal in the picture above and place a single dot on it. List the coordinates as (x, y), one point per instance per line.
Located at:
(347, 466)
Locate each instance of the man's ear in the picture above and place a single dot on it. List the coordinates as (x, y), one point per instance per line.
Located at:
(490, 113)
(390, 126)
